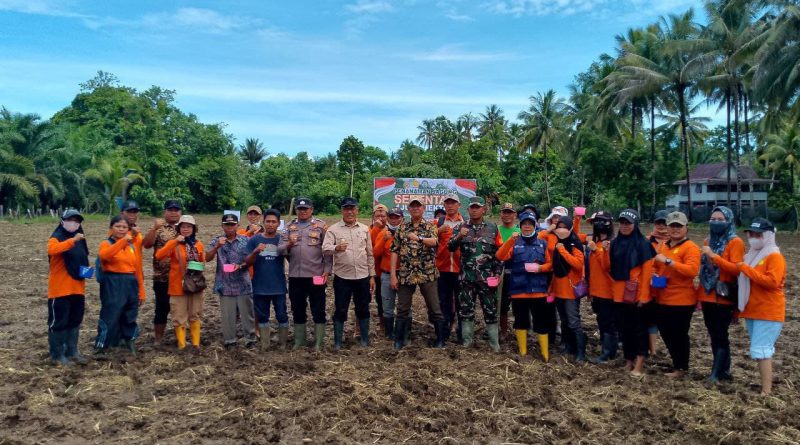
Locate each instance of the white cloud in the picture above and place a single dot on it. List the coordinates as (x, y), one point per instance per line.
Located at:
(542, 7)
(369, 7)
(197, 18)
(456, 53)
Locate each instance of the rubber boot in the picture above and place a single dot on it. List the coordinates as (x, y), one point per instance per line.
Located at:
(580, 346)
(319, 336)
(440, 328)
(400, 327)
(407, 331)
(283, 336)
(460, 332)
(388, 327)
(467, 333)
(544, 347)
(194, 332)
(725, 366)
(522, 341)
(504, 328)
(338, 333)
(609, 349)
(57, 342)
(494, 336)
(180, 335)
(363, 324)
(158, 333)
(71, 352)
(715, 366)
(299, 336)
(263, 332)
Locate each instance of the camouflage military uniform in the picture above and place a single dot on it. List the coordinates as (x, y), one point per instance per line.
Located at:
(478, 262)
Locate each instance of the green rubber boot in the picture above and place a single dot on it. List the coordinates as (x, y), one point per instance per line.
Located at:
(299, 336)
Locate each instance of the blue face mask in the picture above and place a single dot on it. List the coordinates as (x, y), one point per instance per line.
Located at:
(718, 227)
(527, 236)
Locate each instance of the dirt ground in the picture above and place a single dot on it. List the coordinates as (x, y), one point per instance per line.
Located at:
(364, 395)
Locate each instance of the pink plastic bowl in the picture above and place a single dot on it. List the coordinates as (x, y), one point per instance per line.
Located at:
(228, 268)
(580, 211)
(530, 267)
(493, 281)
(319, 280)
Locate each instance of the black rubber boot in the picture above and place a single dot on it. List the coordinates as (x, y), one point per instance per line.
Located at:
(716, 365)
(580, 346)
(440, 327)
(400, 327)
(388, 327)
(725, 366)
(71, 351)
(364, 325)
(57, 343)
(338, 334)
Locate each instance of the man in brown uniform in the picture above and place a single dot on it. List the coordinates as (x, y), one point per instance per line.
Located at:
(162, 231)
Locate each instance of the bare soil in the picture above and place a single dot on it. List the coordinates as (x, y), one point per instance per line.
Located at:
(364, 395)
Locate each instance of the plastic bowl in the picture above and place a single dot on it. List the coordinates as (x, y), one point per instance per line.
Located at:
(531, 267)
(319, 280)
(493, 281)
(195, 265)
(228, 268)
(580, 211)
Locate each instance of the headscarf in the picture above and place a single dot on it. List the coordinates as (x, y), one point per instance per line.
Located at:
(75, 257)
(752, 258)
(717, 241)
(629, 251)
(560, 265)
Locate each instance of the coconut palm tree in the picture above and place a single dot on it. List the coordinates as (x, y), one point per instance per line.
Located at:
(783, 150)
(252, 151)
(777, 59)
(115, 176)
(427, 133)
(490, 119)
(543, 123)
(466, 126)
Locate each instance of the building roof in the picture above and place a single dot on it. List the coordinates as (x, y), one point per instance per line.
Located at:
(716, 174)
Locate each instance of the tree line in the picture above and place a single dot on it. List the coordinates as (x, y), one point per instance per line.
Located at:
(628, 129)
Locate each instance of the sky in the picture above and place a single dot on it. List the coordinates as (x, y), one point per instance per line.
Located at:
(303, 75)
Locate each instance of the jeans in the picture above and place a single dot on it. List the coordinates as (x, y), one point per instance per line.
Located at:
(160, 289)
(448, 285)
(345, 290)
(717, 318)
(388, 295)
(303, 292)
(262, 303)
(673, 323)
(65, 313)
(405, 292)
(570, 313)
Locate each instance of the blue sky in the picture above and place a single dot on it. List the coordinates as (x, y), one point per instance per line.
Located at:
(302, 75)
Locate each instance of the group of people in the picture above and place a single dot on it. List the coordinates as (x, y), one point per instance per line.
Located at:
(639, 286)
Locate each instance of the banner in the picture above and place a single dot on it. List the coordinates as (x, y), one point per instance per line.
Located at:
(397, 192)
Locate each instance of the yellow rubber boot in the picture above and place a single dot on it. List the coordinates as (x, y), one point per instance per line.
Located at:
(180, 334)
(544, 347)
(194, 330)
(522, 341)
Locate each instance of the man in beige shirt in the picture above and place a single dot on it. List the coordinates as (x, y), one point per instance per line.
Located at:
(349, 243)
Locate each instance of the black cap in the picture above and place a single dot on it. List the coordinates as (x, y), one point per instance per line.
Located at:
(760, 225)
(71, 213)
(660, 215)
(527, 216)
(172, 204)
(230, 218)
(629, 215)
(396, 211)
(130, 205)
(348, 202)
(530, 208)
(303, 203)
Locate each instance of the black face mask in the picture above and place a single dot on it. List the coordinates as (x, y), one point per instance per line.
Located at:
(601, 228)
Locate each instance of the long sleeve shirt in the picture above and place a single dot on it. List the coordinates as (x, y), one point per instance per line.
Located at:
(357, 261)
(767, 299)
(59, 282)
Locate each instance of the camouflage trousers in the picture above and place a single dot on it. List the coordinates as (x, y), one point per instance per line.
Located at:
(472, 291)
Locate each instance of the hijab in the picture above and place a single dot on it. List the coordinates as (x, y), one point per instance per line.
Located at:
(629, 251)
(75, 257)
(752, 258)
(560, 265)
(719, 235)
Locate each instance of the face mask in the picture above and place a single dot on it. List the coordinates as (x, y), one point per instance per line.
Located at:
(562, 233)
(71, 226)
(718, 227)
(527, 236)
(600, 228)
(391, 227)
(756, 243)
(544, 225)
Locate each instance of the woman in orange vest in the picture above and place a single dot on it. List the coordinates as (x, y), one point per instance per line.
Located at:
(601, 284)
(567, 274)
(184, 307)
(678, 261)
(762, 300)
(718, 282)
(119, 289)
(66, 288)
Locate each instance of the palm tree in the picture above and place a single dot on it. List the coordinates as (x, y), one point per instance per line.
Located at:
(783, 150)
(465, 126)
(252, 151)
(777, 60)
(115, 176)
(16, 183)
(491, 118)
(543, 122)
(684, 59)
(427, 133)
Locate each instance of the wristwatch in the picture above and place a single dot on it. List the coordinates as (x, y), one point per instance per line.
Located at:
(668, 262)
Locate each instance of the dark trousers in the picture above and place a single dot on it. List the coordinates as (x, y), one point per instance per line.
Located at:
(448, 286)
(302, 293)
(65, 313)
(673, 323)
(119, 307)
(538, 309)
(261, 304)
(505, 296)
(633, 320)
(161, 290)
(345, 290)
(405, 292)
(717, 318)
(607, 315)
(378, 295)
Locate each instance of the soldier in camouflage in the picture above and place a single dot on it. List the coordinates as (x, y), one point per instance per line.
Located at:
(478, 241)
